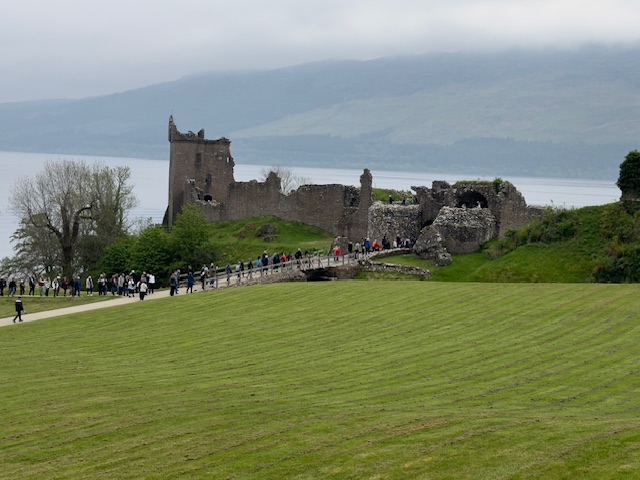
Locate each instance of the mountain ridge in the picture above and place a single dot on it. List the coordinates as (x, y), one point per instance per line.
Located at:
(571, 113)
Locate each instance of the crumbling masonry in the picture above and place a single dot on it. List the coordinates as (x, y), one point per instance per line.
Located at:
(201, 172)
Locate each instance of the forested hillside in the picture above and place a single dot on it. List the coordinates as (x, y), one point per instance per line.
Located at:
(572, 114)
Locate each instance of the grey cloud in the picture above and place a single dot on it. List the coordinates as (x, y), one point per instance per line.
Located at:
(74, 48)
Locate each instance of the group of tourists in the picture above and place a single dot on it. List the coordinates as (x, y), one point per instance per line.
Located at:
(266, 263)
(45, 286)
(365, 247)
(208, 275)
(132, 284)
(127, 285)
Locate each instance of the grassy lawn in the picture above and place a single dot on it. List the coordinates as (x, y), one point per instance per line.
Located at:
(529, 264)
(536, 263)
(563, 246)
(390, 380)
(460, 270)
(239, 240)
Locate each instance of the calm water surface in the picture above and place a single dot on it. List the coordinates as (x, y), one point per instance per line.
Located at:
(150, 179)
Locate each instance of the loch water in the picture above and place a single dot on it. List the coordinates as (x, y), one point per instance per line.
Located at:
(150, 179)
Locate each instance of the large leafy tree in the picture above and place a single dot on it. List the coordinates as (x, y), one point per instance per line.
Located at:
(190, 237)
(629, 178)
(153, 252)
(69, 212)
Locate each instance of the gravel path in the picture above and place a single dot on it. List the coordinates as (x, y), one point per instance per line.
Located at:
(115, 302)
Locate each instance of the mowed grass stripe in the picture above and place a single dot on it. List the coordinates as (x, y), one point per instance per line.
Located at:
(333, 380)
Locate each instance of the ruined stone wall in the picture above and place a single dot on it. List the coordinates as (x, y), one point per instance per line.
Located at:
(207, 164)
(320, 205)
(201, 172)
(512, 208)
(401, 269)
(358, 213)
(463, 230)
(394, 220)
(507, 204)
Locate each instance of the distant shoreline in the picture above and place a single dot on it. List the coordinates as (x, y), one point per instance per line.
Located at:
(150, 179)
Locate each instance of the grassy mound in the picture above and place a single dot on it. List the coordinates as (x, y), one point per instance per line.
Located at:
(243, 240)
(591, 244)
(331, 380)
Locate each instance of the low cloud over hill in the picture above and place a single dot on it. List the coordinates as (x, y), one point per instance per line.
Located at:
(518, 113)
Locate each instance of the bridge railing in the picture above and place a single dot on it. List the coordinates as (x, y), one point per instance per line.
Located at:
(222, 278)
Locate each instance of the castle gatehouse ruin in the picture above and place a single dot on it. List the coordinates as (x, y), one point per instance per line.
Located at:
(449, 219)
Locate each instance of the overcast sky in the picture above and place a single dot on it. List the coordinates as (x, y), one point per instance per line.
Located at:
(79, 48)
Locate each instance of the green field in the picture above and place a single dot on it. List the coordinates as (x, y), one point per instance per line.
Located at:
(389, 380)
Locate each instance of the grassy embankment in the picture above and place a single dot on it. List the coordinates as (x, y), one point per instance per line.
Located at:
(241, 240)
(565, 247)
(331, 380)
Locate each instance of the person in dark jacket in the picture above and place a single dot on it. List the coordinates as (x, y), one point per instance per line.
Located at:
(190, 282)
(173, 284)
(19, 310)
(13, 286)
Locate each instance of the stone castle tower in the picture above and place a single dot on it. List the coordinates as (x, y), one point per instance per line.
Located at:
(206, 163)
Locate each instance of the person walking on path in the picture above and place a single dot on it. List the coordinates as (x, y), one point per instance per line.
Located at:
(190, 282)
(203, 276)
(19, 309)
(143, 290)
(152, 283)
(173, 284)
(89, 285)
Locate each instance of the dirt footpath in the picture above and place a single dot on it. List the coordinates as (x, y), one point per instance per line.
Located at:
(115, 302)
(285, 271)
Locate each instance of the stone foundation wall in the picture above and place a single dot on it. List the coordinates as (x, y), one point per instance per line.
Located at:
(507, 204)
(335, 208)
(394, 220)
(402, 269)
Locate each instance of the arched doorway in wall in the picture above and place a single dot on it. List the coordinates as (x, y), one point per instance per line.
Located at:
(472, 200)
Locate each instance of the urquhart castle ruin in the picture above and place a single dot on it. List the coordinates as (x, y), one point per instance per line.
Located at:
(441, 220)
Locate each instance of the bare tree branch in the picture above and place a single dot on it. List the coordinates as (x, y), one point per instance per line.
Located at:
(70, 201)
